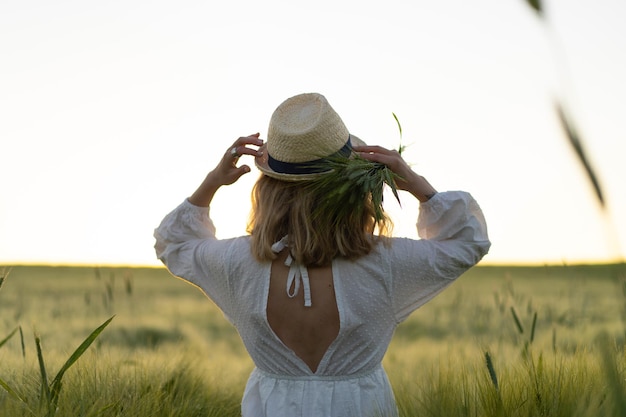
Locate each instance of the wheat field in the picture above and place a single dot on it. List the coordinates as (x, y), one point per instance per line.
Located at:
(502, 341)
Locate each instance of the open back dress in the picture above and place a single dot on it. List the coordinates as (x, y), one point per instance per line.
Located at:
(373, 295)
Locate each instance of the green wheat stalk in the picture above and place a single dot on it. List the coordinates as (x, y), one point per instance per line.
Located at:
(22, 342)
(347, 183)
(492, 371)
(532, 329)
(346, 186)
(518, 323)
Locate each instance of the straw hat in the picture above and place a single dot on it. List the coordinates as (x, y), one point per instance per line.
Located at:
(303, 130)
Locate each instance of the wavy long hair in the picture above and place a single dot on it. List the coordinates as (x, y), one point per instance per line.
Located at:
(284, 208)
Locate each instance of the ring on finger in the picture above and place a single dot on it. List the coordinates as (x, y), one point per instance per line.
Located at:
(234, 153)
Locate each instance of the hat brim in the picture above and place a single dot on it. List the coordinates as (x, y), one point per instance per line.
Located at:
(262, 164)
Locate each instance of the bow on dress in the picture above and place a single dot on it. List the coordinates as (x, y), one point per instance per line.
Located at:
(297, 273)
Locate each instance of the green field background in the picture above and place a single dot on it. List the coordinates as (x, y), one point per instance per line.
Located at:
(554, 336)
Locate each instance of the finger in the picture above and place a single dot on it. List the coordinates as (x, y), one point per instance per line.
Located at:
(249, 140)
(249, 151)
(377, 157)
(232, 153)
(236, 151)
(239, 147)
(242, 170)
(372, 149)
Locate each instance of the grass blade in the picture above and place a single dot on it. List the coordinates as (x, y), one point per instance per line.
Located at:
(79, 351)
(45, 387)
(22, 342)
(574, 140)
(400, 147)
(399, 125)
(518, 323)
(12, 392)
(6, 339)
(532, 329)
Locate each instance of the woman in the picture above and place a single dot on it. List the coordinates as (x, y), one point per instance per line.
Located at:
(314, 293)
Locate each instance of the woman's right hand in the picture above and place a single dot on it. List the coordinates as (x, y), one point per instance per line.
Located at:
(407, 179)
(227, 172)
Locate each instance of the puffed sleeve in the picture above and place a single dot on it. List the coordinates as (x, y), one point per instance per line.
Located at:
(186, 244)
(454, 238)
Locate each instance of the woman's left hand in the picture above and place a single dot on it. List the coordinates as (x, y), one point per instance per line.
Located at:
(407, 179)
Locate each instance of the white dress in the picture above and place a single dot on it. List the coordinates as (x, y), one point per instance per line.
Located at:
(374, 294)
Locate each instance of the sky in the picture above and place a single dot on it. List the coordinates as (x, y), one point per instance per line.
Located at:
(111, 113)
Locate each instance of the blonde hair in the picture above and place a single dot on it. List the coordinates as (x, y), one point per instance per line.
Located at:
(285, 208)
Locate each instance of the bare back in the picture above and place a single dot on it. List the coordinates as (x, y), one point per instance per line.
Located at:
(308, 331)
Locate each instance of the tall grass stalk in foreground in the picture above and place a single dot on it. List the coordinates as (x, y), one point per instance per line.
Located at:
(49, 397)
(562, 105)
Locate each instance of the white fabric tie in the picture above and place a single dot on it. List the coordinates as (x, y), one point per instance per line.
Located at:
(297, 273)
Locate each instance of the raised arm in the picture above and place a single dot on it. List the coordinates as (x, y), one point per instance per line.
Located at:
(408, 179)
(227, 171)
